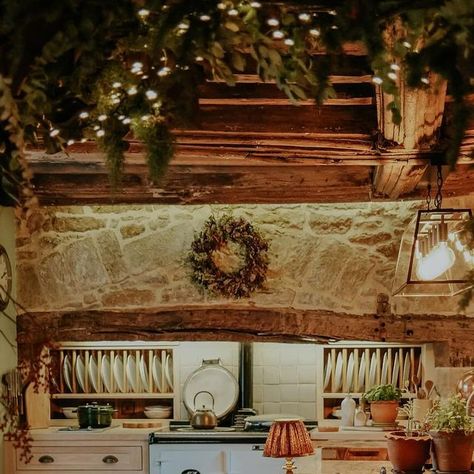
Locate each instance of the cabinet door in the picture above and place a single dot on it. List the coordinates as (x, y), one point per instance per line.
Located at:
(188, 460)
(250, 456)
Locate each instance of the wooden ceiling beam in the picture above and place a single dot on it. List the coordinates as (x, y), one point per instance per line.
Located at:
(243, 323)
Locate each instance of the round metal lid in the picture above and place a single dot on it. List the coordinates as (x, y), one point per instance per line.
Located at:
(211, 377)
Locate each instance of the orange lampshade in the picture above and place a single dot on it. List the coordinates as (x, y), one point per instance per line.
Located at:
(288, 438)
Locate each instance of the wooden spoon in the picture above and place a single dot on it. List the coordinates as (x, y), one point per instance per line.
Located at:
(415, 381)
(421, 393)
(429, 387)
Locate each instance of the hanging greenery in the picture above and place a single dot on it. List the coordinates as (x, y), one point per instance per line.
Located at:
(97, 70)
(229, 257)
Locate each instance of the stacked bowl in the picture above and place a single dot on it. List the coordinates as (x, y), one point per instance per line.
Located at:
(158, 411)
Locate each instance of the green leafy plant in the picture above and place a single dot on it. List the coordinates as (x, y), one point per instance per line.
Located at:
(450, 415)
(379, 393)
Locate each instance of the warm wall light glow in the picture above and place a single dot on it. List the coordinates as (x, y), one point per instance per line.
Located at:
(438, 261)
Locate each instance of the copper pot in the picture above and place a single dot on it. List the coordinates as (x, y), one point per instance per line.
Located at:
(204, 418)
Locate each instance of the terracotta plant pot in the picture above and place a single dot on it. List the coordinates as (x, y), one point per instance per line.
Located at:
(384, 412)
(452, 452)
(408, 453)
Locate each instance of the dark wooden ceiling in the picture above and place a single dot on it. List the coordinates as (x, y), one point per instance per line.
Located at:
(249, 144)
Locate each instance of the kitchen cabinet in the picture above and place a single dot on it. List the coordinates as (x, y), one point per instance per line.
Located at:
(74, 457)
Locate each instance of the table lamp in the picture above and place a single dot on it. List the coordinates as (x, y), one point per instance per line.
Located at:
(288, 438)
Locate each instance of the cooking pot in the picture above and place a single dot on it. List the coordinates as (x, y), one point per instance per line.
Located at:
(202, 418)
(94, 415)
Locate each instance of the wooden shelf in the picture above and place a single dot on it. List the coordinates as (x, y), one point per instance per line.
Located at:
(78, 396)
(358, 395)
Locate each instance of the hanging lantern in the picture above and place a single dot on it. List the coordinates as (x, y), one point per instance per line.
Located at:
(433, 259)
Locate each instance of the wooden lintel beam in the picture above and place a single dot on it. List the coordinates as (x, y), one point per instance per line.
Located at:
(244, 323)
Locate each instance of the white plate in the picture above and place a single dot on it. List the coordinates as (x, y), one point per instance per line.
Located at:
(372, 371)
(118, 373)
(67, 372)
(144, 374)
(217, 380)
(327, 377)
(406, 369)
(384, 375)
(132, 373)
(338, 373)
(169, 371)
(80, 372)
(156, 371)
(105, 372)
(361, 386)
(395, 371)
(93, 371)
(350, 372)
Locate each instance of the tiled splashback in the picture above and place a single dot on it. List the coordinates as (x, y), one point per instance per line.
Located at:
(284, 375)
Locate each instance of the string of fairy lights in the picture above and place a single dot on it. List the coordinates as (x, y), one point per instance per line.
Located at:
(140, 74)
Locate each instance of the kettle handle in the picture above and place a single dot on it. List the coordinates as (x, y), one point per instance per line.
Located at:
(204, 391)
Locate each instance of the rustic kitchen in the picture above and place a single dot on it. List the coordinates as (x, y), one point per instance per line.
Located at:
(236, 237)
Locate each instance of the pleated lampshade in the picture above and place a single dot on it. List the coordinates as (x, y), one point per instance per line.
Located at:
(288, 438)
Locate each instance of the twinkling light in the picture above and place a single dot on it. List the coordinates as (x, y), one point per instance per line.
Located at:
(314, 32)
(304, 17)
(273, 22)
(137, 65)
(199, 59)
(233, 12)
(278, 34)
(204, 17)
(183, 26)
(394, 67)
(334, 27)
(145, 117)
(115, 101)
(54, 132)
(164, 71)
(132, 90)
(425, 80)
(70, 142)
(289, 42)
(84, 115)
(255, 4)
(221, 6)
(96, 127)
(143, 13)
(151, 95)
(407, 44)
(332, 12)
(100, 133)
(102, 117)
(83, 140)
(126, 121)
(392, 76)
(377, 80)
(121, 117)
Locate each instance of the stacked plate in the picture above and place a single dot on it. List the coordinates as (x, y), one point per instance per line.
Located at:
(158, 411)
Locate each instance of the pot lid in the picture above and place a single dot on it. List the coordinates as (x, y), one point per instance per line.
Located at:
(214, 378)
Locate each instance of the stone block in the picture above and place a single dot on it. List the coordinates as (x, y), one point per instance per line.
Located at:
(132, 230)
(329, 224)
(77, 224)
(371, 239)
(111, 255)
(129, 297)
(29, 290)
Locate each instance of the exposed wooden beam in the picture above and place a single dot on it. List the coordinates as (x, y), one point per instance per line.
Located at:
(456, 333)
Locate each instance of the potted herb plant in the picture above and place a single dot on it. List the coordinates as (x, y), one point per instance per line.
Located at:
(452, 433)
(384, 401)
(408, 449)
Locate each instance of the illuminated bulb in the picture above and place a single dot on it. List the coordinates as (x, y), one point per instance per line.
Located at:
(332, 12)
(54, 132)
(83, 140)
(392, 75)
(116, 85)
(145, 77)
(305, 17)
(96, 127)
(377, 80)
(71, 142)
(334, 27)
(233, 12)
(183, 26)
(273, 22)
(121, 117)
(425, 80)
(394, 67)
(126, 121)
(115, 101)
(221, 6)
(255, 4)
(406, 44)
(100, 133)
(145, 117)
(132, 90)
(438, 261)
(164, 71)
(278, 34)
(102, 118)
(137, 65)
(199, 59)
(151, 95)
(289, 42)
(314, 32)
(204, 17)
(84, 115)
(143, 13)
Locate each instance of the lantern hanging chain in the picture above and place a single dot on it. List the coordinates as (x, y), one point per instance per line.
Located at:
(438, 200)
(428, 197)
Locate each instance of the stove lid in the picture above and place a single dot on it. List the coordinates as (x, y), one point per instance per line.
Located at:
(211, 377)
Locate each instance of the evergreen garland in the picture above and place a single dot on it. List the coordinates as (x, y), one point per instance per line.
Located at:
(76, 70)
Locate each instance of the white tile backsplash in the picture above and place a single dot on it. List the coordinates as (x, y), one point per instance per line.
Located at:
(271, 375)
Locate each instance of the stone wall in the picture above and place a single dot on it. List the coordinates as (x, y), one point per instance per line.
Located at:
(336, 256)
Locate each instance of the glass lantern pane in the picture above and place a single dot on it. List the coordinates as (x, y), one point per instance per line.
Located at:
(433, 261)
